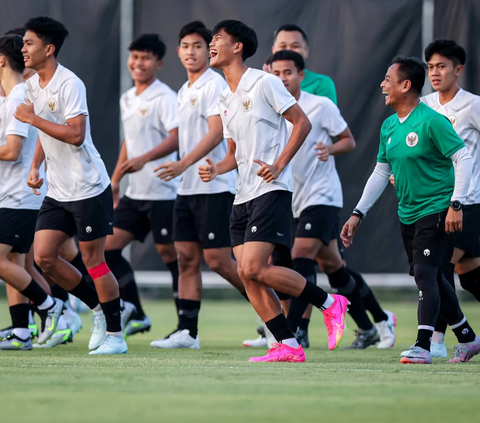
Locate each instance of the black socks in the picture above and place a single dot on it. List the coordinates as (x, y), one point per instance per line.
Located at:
(35, 293)
(279, 328)
(87, 293)
(188, 316)
(111, 310)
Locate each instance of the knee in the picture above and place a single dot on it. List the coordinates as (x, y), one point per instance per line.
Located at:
(46, 261)
(253, 271)
(216, 264)
(167, 252)
(425, 276)
(92, 258)
(188, 262)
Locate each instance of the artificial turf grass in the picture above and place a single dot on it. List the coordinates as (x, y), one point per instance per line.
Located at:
(218, 383)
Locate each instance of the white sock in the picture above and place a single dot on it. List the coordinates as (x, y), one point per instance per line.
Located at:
(291, 342)
(62, 324)
(328, 302)
(116, 334)
(97, 310)
(46, 304)
(22, 333)
(438, 337)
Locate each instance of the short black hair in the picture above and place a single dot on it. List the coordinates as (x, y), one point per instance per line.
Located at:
(11, 48)
(290, 55)
(196, 27)
(291, 28)
(16, 31)
(49, 31)
(241, 33)
(411, 69)
(269, 59)
(151, 43)
(447, 48)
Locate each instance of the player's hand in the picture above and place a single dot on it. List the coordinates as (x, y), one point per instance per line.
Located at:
(25, 112)
(208, 172)
(170, 170)
(323, 151)
(115, 193)
(33, 181)
(453, 221)
(133, 165)
(268, 172)
(349, 229)
(392, 179)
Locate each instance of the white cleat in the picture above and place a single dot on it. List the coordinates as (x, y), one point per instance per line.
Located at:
(111, 345)
(386, 329)
(99, 330)
(126, 315)
(438, 350)
(180, 339)
(260, 342)
(73, 319)
(78, 305)
(59, 337)
(51, 316)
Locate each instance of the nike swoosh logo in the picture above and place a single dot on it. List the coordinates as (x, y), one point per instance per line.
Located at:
(53, 324)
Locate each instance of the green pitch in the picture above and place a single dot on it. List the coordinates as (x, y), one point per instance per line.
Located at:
(218, 384)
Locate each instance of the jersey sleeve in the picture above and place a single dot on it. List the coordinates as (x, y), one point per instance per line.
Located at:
(12, 125)
(168, 111)
(212, 92)
(332, 121)
(220, 110)
(74, 97)
(382, 152)
(475, 114)
(444, 137)
(276, 95)
(326, 88)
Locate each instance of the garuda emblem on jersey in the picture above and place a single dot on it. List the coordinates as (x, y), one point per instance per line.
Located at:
(193, 100)
(412, 139)
(453, 120)
(247, 104)
(52, 105)
(143, 112)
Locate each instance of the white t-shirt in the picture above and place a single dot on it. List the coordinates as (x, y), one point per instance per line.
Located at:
(252, 117)
(316, 182)
(464, 113)
(14, 191)
(74, 173)
(147, 119)
(196, 104)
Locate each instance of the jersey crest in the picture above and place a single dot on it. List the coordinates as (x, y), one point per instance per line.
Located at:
(52, 105)
(412, 139)
(193, 100)
(143, 112)
(247, 104)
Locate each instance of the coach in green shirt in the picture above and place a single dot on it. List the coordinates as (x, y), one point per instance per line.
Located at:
(421, 147)
(292, 37)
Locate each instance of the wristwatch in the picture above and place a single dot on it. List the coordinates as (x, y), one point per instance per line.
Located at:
(456, 205)
(357, 213)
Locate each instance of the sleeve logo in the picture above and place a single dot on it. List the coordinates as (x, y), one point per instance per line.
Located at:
(247, 104)
(412, 139)
(52, 105)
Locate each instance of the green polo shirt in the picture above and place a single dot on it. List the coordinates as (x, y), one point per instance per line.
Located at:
(418, 151)
(317, 84)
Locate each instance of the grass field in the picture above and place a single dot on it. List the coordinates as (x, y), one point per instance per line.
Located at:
(218, 384)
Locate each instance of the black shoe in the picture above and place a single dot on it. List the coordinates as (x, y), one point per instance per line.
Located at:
(302, 338)
(261, 331)
(364, 339)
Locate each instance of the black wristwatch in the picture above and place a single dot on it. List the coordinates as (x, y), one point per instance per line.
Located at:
(357, 213)
(456, 205)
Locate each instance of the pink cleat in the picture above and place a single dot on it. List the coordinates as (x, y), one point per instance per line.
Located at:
(282, 352)
(464, 352)
(334, 318)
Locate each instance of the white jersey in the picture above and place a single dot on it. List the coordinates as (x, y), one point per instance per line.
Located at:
(14, 191)
(464, 113)
(252, 117)
(74, 173)
(147, 119)
(317, 182)
(196, 103)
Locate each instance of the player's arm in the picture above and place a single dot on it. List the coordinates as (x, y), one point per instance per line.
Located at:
(118, 174)
(10, 152)
(211, 170)
(345, 143)
(373, 190)
(33, 180)
(301, 128)
(214, 137)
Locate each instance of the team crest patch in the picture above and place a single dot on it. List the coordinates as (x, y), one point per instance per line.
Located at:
(143, 112)
(412, 139)
(247, 104)
(52, 105)
(453, 120)
(193, 100)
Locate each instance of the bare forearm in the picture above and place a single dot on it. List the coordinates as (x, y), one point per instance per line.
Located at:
(118, 174)
(168, 146)
(64, 133)
(228, 164)
(297, 138)
(38, 156)
(207, 144)
(342, 146)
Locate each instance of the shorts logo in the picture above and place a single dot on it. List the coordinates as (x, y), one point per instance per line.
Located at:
(426, 252)
(247, 104)
(420, 295)
(412, 139)
(193, 100)
(88, 229)
(453, 120)
(254, 229)
(143, 112)
(164, 231)
(52, 105)
(279, 234)
(17, 236)
(211, 236)
(308, 226)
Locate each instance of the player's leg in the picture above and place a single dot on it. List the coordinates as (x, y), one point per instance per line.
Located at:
(468, 270)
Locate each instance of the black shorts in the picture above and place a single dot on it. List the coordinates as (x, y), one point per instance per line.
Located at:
(89, 219)
(203, 218)
(426, 241)
(266, 218)
(139, 217)
(319, 222)
(469, 239)
(17, 229)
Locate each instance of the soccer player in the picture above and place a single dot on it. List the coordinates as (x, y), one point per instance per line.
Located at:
(202, 210)
(421, 148)
(150, 122)
(19, 207)
(79, 196)
(253, 108)
(446, 60)
(317, 197)
(292, 37)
